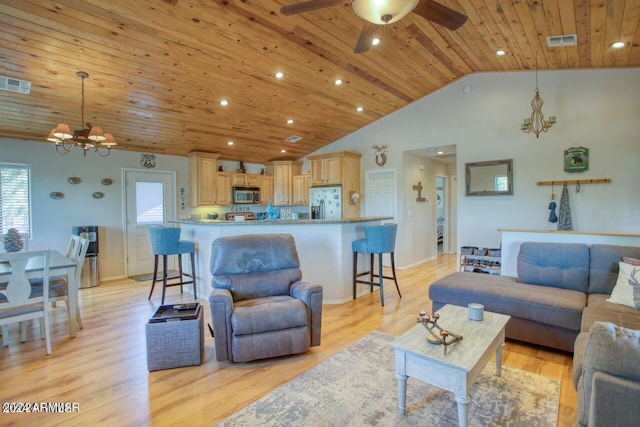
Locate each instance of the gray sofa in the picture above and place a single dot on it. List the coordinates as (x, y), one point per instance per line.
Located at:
(558, 300)
(260, 307)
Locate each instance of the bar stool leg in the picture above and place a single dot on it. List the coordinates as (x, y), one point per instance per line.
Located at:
(193, 275)
(371, 273)
(355, 272)
(381, 277)
(164, 277)
(155, 274)
(393, 270)
(180, 270)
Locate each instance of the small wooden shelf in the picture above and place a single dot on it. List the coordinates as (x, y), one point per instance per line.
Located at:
(575, 181)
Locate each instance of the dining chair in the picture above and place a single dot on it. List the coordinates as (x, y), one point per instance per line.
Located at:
(59, 285)
(17, 301)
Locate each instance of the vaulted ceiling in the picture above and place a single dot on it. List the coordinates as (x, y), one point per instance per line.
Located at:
(159, 68)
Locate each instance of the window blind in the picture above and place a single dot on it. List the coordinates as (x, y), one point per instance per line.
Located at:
(14, 198)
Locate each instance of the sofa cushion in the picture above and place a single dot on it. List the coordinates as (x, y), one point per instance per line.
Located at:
(275, 313)
(558, 265)
(603, 266)
(502, 294)
(599, 309)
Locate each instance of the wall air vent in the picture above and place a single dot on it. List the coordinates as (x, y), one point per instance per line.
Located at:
(562, 41)
(293, 138)
(15, 85)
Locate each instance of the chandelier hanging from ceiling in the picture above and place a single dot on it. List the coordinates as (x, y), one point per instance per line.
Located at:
(536, 124)
(91, 138)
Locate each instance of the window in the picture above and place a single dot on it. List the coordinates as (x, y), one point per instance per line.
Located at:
(15, 202)
(149, 203)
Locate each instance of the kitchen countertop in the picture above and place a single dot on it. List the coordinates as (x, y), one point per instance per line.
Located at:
(280, 221)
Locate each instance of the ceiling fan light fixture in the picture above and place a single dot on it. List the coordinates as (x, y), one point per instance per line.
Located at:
(381, 12)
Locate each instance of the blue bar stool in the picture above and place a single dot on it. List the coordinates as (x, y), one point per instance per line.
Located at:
(379, 239)
(166, 241)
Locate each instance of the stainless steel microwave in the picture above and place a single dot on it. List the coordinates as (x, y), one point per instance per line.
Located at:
(246, 195)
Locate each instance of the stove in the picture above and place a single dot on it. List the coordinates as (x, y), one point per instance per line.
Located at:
(248, 216)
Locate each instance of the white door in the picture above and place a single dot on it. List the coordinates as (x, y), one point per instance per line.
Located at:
(380, 197)
(149, 201)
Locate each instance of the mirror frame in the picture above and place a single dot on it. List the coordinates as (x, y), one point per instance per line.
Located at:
(468, 178)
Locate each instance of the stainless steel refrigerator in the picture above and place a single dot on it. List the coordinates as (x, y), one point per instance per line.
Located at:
(326, 202)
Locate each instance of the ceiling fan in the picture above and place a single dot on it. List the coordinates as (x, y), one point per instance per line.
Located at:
(383, 12)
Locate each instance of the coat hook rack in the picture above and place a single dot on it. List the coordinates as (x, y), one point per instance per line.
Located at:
(576, 182)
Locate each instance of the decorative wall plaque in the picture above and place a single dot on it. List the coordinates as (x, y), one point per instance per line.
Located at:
(147, 161)
(576, 159)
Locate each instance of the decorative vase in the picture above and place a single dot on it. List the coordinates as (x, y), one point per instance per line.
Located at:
(13, 241)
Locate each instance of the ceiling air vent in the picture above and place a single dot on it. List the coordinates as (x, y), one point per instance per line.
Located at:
(293, 138)
(562, 41)
(15, 85)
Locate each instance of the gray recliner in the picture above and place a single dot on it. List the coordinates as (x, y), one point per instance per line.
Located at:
(260, 307)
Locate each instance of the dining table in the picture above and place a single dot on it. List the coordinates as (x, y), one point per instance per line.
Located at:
(59, 265)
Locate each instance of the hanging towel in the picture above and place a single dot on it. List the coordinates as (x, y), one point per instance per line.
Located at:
(564, 221)
(552, 215)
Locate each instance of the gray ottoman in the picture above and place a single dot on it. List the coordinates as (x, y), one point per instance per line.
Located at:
(175, 343)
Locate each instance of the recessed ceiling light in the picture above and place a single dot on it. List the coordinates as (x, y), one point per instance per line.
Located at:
(224, 102)
(440, 152)
(359, 109)
(283, 151)
(279, 75)
(500, 52)
(338, 82)
(375, 41)
(290, 122)
(618, 45)
(230, 142)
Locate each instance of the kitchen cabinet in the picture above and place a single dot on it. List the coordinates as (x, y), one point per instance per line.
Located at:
(266, 189)
(301, 184)
(245, 180)
(282, 172)
(202, 178)
(340, 168)
(223, 189)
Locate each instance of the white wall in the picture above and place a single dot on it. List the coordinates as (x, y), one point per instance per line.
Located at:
(52, 220)
(596, 109)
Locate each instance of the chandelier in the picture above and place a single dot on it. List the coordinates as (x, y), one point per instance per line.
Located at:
(382, 12)
(536, 124)
(90, 138)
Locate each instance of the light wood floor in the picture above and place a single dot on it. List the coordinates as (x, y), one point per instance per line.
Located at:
(104, 368)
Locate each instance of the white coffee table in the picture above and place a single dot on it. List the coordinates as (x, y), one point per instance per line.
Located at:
(464, 362)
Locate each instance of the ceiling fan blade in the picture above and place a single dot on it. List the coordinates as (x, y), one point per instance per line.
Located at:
(366, 35)
(441, 15)
(308, 6)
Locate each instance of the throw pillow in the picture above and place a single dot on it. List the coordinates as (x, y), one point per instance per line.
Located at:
(627, 289)
(632, 261)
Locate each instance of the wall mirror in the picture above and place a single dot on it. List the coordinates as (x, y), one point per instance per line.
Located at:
(494, 178)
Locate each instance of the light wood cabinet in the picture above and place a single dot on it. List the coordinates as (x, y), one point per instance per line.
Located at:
(341, 168)
(223, 189)
(301, 184)
(245, 180)
(266, 189)
(202, 178)
(283, 172)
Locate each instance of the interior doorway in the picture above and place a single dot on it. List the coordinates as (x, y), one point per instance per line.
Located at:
(442, 216)
(148, 201)
(380, 197)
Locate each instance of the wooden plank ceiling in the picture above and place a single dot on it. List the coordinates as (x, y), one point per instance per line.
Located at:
(158, 68)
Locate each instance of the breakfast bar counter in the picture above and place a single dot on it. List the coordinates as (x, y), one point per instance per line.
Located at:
(324, 248)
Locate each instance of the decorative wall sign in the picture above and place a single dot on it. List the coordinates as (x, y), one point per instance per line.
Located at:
(56, 195)
(147, 160)
(97, 195)
(106, 181)
(576, 159)
(74, 180)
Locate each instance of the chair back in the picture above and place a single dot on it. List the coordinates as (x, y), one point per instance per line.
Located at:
(255, 265)
(79, 255)
(18, 291)
(164, 240)
(381, 238)
(71, 247)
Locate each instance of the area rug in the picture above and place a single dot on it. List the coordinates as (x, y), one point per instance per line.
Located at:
(357, 387)
(149, 276)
